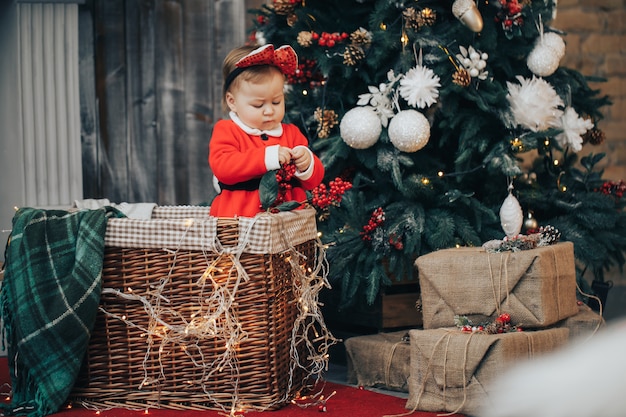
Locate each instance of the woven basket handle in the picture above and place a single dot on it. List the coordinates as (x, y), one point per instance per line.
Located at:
(210, 240)
(237, 236)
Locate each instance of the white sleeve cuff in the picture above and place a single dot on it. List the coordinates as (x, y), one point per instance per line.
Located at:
(271, 158)
(216, 184)
(308, 173)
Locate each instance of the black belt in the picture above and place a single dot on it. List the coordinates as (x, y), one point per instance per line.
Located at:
(250, 185)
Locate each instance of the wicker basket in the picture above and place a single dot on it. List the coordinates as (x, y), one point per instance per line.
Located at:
(199, 312)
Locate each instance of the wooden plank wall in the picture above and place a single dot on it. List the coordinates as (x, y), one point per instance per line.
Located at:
(150, 94)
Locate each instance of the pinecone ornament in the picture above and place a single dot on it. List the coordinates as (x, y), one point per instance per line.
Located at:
(284, 7)
(429, 16)
(292, 19)
(413, 18)
(548, 235)
(326, 120)
(594, 136)
(305, 38)
(353, 55)
(491, 328)
(462, 77)
(360, 37)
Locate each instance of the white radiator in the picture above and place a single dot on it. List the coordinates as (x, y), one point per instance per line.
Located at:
(48, 98)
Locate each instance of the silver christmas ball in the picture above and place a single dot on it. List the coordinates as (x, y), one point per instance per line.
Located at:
(360, 127)
(555, 42)
(409, 130)
(542, 61)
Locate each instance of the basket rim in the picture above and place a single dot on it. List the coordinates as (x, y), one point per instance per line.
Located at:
(264, 233)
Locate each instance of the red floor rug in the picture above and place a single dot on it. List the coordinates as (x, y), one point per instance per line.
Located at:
(341, 401)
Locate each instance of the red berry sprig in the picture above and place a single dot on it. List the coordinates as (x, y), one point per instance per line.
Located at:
(613, 188)
(502, 324)
(329, 39)
(376, 220)
(284, 176)
(307, 72)
(510, 14)
(324, 196)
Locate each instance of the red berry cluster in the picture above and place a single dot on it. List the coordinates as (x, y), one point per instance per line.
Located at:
(613, 188)
(504, 318)
(323, 196)
(396, 242)
(376, 220)
(329, 39)
(307, 72)
(468, 328)
(510, 14)
(502, 324)
(284, 176)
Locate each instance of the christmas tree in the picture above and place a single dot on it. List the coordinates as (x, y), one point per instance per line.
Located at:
(452, 120)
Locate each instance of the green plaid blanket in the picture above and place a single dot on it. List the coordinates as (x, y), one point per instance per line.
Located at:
(49, 300)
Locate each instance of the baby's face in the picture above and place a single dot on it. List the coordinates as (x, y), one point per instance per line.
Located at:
(259, 105)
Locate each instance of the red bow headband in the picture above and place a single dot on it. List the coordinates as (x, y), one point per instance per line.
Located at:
(283, 58)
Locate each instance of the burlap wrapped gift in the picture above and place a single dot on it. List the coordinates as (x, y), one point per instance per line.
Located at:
(379, 360)
(536, 287)
(583, 324)
(451, 370)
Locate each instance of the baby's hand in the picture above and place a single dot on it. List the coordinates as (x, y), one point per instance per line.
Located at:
(284, 155)
(301, 157)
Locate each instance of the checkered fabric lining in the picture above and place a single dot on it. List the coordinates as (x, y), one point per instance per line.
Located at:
(264, 233)
(181, 212)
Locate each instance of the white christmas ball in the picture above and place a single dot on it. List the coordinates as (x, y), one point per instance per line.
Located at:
(555, 42)
(511, 216)
(360, 127)
(409, 130)
(542, 61)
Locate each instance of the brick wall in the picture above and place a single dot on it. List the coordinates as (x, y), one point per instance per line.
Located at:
(596, 45)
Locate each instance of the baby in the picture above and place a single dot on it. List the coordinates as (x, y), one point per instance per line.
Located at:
(254, 140)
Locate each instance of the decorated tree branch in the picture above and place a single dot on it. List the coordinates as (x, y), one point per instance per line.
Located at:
(455, 123)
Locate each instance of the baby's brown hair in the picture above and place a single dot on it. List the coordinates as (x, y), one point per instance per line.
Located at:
(252, 74)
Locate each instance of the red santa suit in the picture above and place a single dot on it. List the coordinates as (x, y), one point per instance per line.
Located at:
(239, 156)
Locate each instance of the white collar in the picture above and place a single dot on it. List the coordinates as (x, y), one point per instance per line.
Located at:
(254, 131)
